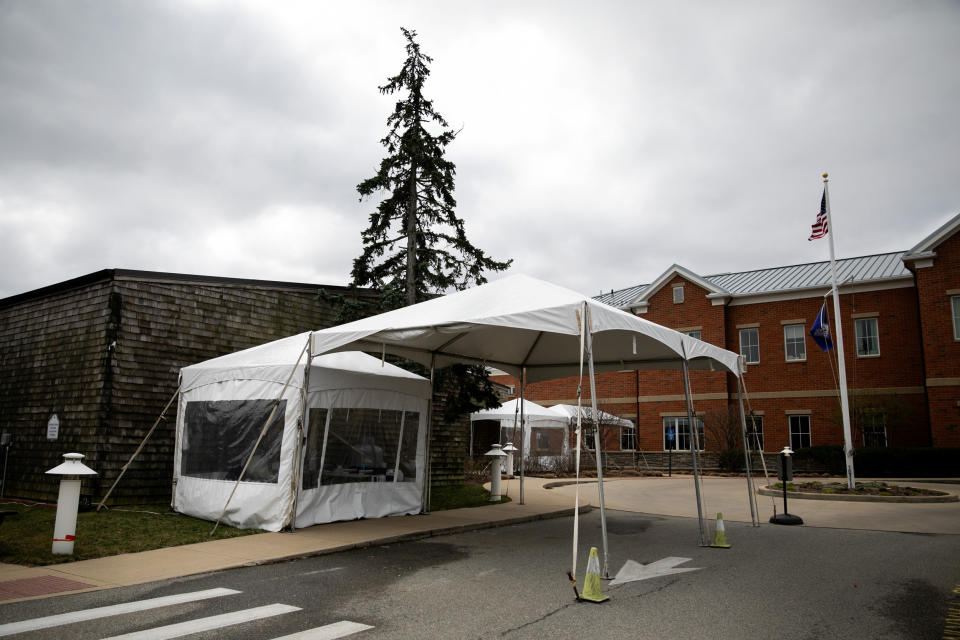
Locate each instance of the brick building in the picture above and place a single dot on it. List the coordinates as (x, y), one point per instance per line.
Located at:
(901, 329)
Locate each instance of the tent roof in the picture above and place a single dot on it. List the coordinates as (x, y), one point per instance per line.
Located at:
(274, 361)
(521, 322)
(532, 412)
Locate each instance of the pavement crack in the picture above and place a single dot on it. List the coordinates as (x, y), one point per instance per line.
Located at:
(538, 620)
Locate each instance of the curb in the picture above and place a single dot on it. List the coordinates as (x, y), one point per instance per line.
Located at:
(406, 537)
(767, 491)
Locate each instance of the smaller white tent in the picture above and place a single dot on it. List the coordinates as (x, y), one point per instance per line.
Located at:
(604, 419)
(545, 435)
(347, 441)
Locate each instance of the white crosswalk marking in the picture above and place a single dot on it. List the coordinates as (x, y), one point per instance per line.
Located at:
(112, 610)
(333, 631)
(207, 624)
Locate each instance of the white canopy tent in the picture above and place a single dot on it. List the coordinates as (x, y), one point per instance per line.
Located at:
(537, 420)
(570, 413)
(347, 438)
(533, 330)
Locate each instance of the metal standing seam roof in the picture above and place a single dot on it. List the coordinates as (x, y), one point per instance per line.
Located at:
(864, 269)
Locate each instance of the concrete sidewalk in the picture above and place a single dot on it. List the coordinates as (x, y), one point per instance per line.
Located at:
(664, 496)
(22, 583)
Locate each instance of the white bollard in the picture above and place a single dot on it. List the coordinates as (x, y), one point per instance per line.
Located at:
(509, 448)
(498, 455)
(68, 501)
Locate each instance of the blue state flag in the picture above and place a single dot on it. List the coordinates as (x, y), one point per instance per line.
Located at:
(820, 331)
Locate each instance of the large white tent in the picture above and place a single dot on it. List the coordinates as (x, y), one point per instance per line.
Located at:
(346, 437)
(535, 331)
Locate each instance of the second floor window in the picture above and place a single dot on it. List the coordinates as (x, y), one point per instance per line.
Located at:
(694, 334)
(955, 306)
(794, 341)
(678, 294)
(750, 345)
(868, 343)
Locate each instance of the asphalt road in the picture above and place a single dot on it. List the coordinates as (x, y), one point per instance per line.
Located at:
(775, 582)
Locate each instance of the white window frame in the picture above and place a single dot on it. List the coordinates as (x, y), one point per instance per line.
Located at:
(696, 333)
(798, 341)
(874, 419)
(797, 420)
(680, 428)
(756, 332)
(678, 294)
(858, 325)
(754, 425)
(628, 438)
(955, 310)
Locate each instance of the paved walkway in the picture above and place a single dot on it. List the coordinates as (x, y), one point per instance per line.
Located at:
(665, 496)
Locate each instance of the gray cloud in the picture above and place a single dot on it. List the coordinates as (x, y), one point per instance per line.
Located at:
(599, 143)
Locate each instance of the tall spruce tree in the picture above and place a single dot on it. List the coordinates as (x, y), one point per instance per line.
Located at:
(415, 246)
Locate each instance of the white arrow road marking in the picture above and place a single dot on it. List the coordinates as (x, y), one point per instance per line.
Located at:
(112, 610)
(333, 631)
(207, 624)
(632, 571)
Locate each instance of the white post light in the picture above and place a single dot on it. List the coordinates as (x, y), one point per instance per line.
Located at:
(65, 527)
(497, 454)
(509, 448)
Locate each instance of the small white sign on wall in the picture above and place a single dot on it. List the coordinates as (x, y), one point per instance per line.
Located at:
(53, 427)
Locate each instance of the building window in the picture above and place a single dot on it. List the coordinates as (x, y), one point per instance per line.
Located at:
(676, 434)
(694, 334)
(750, 345)
(868, 343)
(955, 304)
(755, 433)
(589, 438)
(678, 294)
(874, 429)
(794, 341)
(799, 432)
(627, 439)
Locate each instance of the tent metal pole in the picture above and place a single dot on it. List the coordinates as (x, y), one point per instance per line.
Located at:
(597, 441)
(123, 469)
(428, 466)
(694, 445)
(297, 480)
(523, 428)
(746, 455)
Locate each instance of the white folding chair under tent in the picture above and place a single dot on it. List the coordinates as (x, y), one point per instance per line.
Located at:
(545, 435)
(347, 439)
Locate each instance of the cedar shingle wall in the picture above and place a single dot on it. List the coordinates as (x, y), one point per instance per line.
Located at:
(57, 357)
(53, 361)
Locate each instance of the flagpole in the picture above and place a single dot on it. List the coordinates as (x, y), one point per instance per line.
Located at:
(841, 364)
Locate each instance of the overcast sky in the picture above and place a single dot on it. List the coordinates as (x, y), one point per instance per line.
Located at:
(601, 142)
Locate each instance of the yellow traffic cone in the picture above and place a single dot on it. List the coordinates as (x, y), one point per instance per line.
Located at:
(720, 537)
(591, 582)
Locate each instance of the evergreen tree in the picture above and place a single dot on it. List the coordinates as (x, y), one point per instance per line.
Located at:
(415, 245)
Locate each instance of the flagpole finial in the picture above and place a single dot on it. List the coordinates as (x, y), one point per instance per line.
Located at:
(825, 176)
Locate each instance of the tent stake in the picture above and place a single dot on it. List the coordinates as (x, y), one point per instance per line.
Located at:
(123, 469)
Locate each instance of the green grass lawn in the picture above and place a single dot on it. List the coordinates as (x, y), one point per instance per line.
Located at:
(468, 495)
(26, 538)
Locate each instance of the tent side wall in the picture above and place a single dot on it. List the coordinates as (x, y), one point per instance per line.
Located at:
(364, 455)
(217, 426)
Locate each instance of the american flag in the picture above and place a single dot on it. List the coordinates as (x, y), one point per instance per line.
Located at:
(820, 226)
